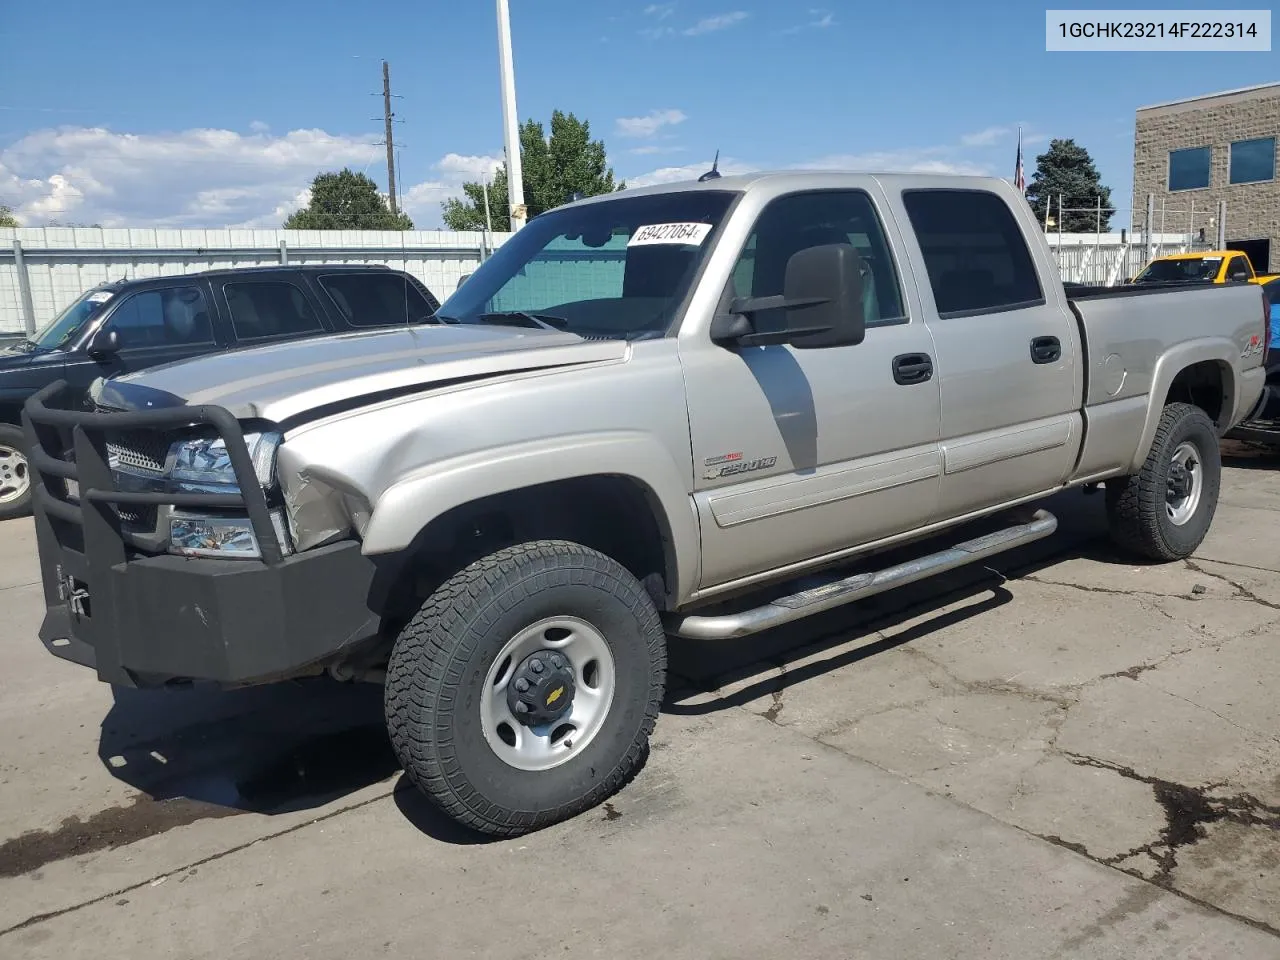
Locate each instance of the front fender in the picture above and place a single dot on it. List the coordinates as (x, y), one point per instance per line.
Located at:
(1220, 350)
(408, 505)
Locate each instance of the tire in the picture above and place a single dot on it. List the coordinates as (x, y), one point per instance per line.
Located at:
(15, 474)
(1147, 515)
(443, 689)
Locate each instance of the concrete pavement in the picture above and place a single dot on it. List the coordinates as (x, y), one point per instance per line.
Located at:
(1060, 755)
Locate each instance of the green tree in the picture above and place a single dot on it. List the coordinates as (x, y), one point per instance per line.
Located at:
(346, 201)
(7, 219)
(555, 168)
(1066, 169)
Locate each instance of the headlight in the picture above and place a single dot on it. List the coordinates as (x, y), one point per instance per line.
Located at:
(200, 464)
(230, 537)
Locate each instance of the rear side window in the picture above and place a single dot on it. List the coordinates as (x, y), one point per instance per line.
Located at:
(267, 309)
(377, 300)
(976, 257)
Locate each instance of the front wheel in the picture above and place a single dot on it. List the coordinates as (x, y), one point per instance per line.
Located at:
(524, 690)
(15, 473)
(1163, 512)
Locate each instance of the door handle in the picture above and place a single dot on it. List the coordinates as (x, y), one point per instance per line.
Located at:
(1045, 349)
(909, 368)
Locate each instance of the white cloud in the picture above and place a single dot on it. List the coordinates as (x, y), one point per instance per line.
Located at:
(258, 126)
(690, 171)
(653, 148)
(649, 124)
(197, 178)
(985, 138)
(926, 160)
(660, 11)
(719, 22)
(820, 19)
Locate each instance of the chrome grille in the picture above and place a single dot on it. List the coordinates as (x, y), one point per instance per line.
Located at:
(138, 450)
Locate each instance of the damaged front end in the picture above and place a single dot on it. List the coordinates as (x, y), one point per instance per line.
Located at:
(169, 551)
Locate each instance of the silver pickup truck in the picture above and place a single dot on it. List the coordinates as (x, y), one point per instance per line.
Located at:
(678, 411)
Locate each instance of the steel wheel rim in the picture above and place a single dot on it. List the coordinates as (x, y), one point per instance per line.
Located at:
(15, 474)
(535, 748)
(1180, 503)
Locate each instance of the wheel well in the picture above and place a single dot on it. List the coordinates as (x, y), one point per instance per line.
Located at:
(616, 515)
(1204, 385)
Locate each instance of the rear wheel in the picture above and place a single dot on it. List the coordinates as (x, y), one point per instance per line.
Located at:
(524, 690)
(15, 473)
(1163, 512)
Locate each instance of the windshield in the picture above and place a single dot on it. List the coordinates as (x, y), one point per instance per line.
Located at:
(1175, 271)
(617, 269)
(65, 326)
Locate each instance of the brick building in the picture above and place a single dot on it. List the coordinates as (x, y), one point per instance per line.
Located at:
(1192, 154)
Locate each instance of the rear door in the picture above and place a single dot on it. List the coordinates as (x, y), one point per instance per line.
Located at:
(270, 309)
(805, 453)
(155, 325)
(1008, 353)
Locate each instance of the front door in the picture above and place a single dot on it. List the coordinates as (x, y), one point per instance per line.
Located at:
(803, 453)
(154, 326)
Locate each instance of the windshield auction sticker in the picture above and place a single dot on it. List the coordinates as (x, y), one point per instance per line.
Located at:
(101, 296)
(690, 234)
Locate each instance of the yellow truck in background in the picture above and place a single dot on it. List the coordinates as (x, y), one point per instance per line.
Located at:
(1218, 266)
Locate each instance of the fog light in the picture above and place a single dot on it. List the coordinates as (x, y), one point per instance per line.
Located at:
(196, 535)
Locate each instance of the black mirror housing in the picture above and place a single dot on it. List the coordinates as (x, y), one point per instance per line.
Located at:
(822, 301)
(830, 277)
(105, 343)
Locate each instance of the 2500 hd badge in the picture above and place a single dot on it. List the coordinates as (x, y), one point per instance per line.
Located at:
(732, 463)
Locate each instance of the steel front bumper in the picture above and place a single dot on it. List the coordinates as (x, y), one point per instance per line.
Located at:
(157, 619)
(143, 620)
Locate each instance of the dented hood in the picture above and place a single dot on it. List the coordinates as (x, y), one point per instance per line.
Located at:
(283, 381)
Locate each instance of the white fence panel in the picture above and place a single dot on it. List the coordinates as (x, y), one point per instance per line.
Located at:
(60, 263)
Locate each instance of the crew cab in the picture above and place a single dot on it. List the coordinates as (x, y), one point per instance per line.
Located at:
(1213, 266)
(686, 411)
(123, 327)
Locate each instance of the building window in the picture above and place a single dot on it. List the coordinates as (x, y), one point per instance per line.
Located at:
(1253, 161)
(1189, 169)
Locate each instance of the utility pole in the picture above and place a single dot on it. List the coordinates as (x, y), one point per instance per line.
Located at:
(391, 150)
(511, 135)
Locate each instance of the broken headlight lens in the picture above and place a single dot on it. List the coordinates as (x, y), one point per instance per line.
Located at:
(231, 537)
(204, 464)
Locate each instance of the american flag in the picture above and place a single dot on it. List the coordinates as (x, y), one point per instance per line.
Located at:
(1019, 180)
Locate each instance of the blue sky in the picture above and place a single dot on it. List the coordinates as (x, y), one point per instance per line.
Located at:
(140, 112)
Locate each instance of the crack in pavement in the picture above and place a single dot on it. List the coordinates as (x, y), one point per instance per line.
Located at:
(186, 869)
(1241, 590)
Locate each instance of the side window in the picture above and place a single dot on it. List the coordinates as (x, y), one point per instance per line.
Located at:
(376, 300)
(162, 318)
(265, 309)
(794, 223)
(976, 256)
(1239, 269)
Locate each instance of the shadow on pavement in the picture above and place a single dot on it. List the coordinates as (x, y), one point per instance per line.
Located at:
(697, 667)
(301, 745)
(271, 749)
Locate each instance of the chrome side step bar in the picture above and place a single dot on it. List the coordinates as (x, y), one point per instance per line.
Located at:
(859, 586)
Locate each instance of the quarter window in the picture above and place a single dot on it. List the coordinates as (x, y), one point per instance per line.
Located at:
(378, 299)
(163, 318)
(1253, 161)
(976, 256)
(800, 221)
(1189, 169)
(269, 309)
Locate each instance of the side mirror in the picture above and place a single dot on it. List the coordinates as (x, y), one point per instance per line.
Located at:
(821, 300)
(105, 343)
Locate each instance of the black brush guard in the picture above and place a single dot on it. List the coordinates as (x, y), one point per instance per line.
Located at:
(145, 620)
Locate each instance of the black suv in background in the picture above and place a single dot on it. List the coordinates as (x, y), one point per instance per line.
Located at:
(121, 327)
